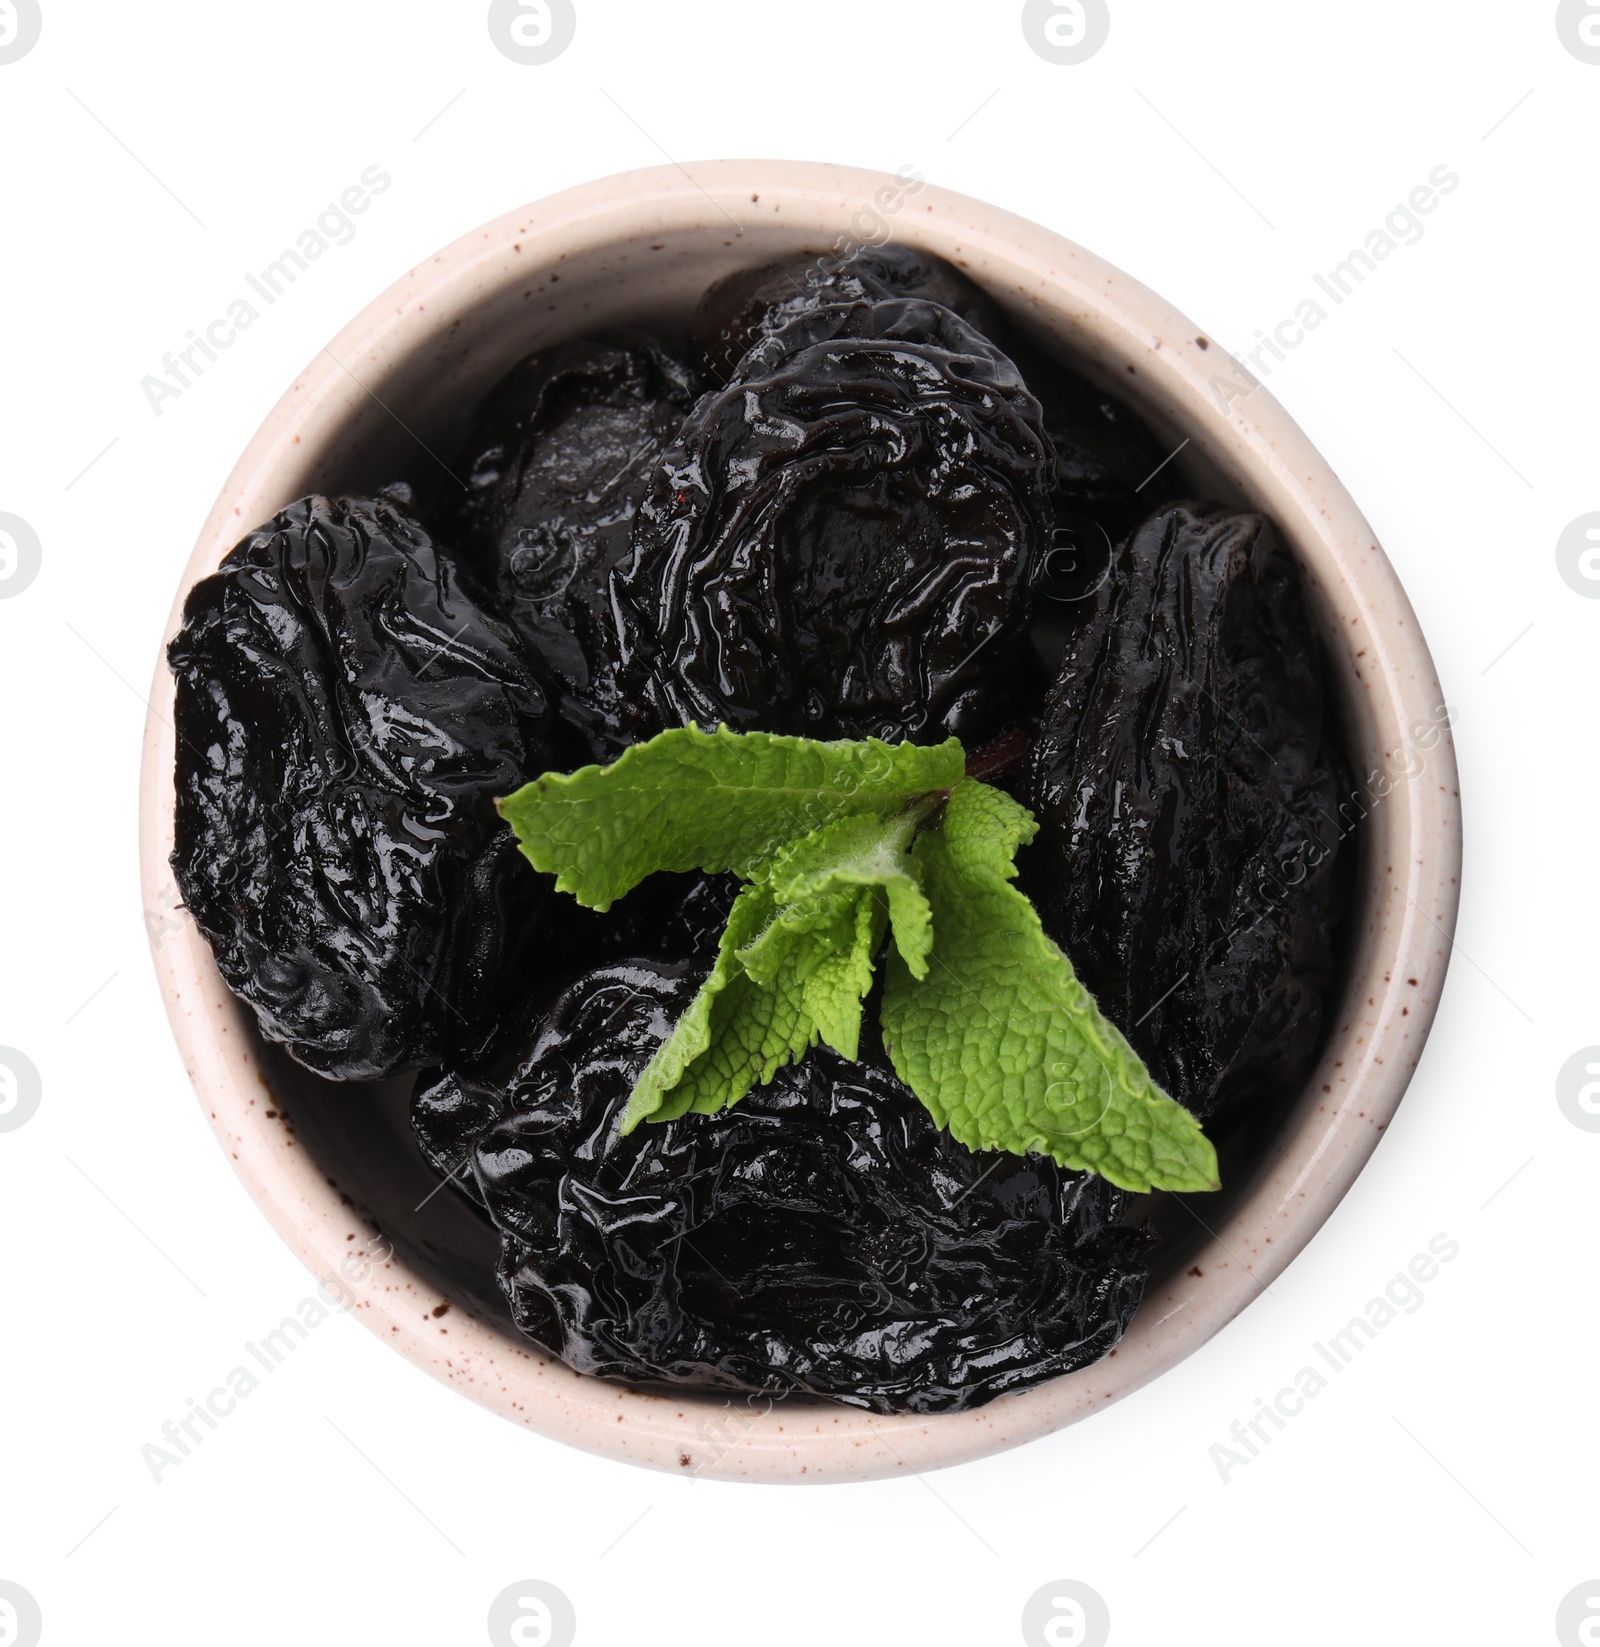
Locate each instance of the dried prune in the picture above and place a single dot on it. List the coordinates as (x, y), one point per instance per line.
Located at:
(1107, 458)
(1188, 778)
(346, 714)
(558, 457)
(843, 543)
(823, 1236)
(742, 308)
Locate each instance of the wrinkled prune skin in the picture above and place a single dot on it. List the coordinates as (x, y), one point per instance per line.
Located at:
(557, 460)
(823, 1236)
(742, 308)
(1188, 782)
(346, 714)
(844, 542)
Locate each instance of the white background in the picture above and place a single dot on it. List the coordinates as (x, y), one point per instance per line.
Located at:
(1442, 1489)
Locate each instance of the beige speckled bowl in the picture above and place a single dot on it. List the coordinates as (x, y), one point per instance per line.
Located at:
(331, 1164)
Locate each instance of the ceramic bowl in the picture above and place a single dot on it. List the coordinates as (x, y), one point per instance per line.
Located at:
(330, 1164)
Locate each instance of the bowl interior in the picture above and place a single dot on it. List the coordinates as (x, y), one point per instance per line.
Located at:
(415, 422)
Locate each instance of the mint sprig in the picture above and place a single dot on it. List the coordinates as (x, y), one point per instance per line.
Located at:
(840, 845)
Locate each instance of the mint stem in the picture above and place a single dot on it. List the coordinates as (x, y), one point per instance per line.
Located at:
(999, 757)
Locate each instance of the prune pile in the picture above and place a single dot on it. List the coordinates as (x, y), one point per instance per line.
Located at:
(824, 1236)
(834, 518)
(1188, 786)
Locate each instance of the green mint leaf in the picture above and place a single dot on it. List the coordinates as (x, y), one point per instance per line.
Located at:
(754, 1032)
(738, 1031)
(864, 852)
(835, 968)
(734, 1034)
(1002, 1043)
(794, 964)
(691, 1035)
(836, 890)
(712, 801)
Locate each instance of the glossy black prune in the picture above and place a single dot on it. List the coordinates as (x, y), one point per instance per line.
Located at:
(742, 308)
(346, 714)
(1188, 783)
(558, 458)
(1107, 458)
(823, 1236)
(843, 543)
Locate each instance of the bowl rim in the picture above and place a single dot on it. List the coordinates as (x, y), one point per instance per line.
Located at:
(1398, 964)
